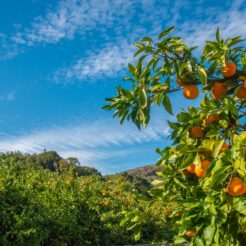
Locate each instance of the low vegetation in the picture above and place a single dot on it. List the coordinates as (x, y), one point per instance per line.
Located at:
(48, 200)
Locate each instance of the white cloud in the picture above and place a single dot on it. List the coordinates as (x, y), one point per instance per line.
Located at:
(196, 31)
(112, 59)
(91, 144)
(108, 62)
(128, 18)
(72, 16)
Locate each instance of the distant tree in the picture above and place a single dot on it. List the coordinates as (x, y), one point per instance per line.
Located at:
(48, 159)
(86, 171)
(141, 184)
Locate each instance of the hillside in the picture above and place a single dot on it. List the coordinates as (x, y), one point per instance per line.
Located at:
(148, 172)
(144, 172)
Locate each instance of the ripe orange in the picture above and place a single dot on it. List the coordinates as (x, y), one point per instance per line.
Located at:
(230, 69)
(200, 172)
(196, 132)
(190, 91)
(243, 135)
(244, 83)
(191, 168)
(191, 233)
(206, 164)
(236, 187)
(212, 118)
(241, 93)
(218, 90)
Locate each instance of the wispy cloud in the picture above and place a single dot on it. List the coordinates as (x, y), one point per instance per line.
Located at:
(71, 17)
(127, 18)
(112, 59)
(92, 144)
(196, 31)
(108, 62)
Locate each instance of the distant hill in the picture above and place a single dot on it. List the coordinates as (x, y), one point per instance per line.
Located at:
(52, 161)
(145, 172)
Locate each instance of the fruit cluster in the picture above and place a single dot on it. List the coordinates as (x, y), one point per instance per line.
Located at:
(218, 89)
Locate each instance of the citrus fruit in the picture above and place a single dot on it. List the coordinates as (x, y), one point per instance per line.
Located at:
(190, 91)
(218, 90)
(230, 69)
(196, 132)
(236, 187)
(190, 233)
(191, 168)
(241, 94)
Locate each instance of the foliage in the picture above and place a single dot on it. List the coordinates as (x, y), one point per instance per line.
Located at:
(86, 171)
(43, 207)
(207, 213)
(50, 160)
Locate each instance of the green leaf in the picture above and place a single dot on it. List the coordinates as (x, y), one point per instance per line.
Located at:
(198, 241)
(185, 66)
(219, 176)
(123, 116)
(217, 147)
(138, 52)
(165, 32)
(217, 236)
(173, 125)
(189, 159)
(179, 183)
(167, 104)
(184, 117)
(137, 235)
(218, 34)
(146, 39)
(202, 75)
(179, 240)
(131, 68)
(142, 98)
(209, 234)
(240, 206)
(139, 45)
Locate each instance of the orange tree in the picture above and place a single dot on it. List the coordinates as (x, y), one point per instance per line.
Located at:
(204, 168)
(43, 207)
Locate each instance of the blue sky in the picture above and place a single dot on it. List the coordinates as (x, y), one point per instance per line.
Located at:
(60, 59)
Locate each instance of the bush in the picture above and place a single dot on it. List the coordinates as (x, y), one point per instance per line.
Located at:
(43, 207)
